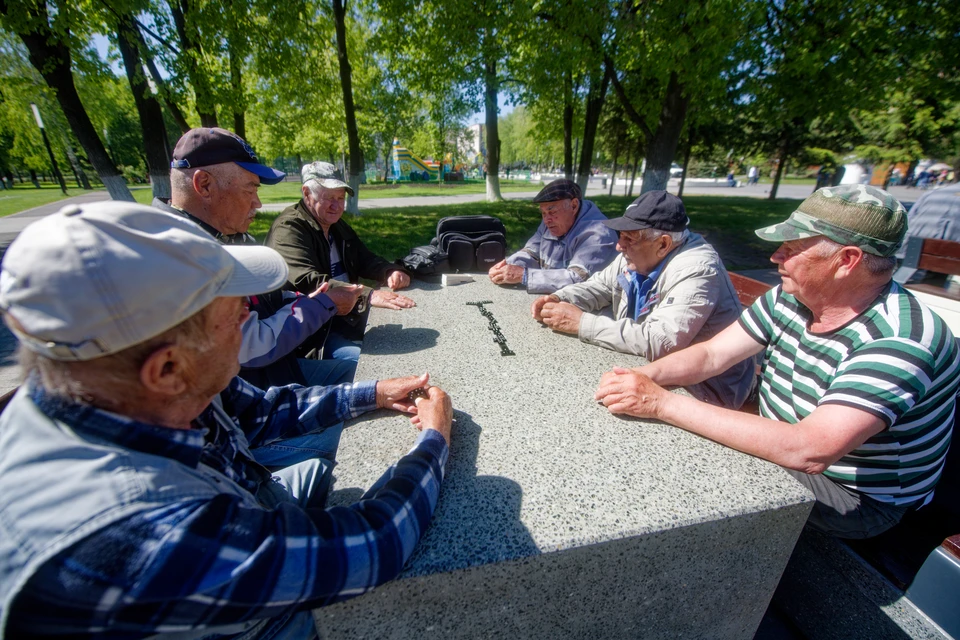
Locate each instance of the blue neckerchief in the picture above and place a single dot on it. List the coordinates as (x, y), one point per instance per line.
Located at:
(637, 290)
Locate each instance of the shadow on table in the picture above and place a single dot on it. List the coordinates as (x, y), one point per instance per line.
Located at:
(477, 520)
(392, 339)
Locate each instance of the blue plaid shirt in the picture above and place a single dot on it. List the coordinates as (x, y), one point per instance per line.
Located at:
(201, 563)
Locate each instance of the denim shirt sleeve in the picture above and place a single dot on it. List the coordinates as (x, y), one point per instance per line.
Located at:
(266, 340)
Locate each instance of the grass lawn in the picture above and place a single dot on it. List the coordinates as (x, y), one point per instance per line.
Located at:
(25, 197)
(728, 223)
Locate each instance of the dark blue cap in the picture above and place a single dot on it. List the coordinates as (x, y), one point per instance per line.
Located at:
(208, 146)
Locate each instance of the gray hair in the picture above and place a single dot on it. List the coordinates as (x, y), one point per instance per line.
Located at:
(119, 371)
(874, 264)
(675, 236)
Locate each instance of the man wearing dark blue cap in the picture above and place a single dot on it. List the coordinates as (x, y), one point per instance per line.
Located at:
(570, 244)
(668, 289)
(214, 179)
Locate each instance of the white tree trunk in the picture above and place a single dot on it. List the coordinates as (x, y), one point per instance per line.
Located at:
(353, 202)
(117, 188)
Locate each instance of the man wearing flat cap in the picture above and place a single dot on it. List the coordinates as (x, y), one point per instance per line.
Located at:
(859, 379)
(214, 178)
(132, 505)
(666, 290)
(320, 247)
(570, 244)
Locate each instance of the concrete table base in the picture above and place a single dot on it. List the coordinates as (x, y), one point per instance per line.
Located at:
(556, 518)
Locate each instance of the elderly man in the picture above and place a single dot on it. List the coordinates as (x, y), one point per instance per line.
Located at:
(321, 248)
(570, 244)
(667, 289)
(132, 505)
(214, 180)
(859, 381)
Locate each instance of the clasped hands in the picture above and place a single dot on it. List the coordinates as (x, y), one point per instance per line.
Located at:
(503, 273)
(631, 392)
(434, 411)
(344, 296)
(559, 316)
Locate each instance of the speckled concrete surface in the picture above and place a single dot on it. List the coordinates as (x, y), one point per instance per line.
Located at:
(568, 519)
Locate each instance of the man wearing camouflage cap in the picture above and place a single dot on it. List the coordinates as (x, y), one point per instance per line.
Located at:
(859, 380)
(570, 245)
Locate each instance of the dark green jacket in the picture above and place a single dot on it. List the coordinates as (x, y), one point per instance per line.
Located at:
(297, 236)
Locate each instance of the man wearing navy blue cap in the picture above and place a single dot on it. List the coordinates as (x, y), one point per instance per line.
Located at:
(214, 179)
(570, 244)
(667, 289)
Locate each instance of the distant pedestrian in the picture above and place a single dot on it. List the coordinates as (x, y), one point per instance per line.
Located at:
(753, 175)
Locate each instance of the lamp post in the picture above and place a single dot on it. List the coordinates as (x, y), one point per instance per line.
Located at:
(46, 142)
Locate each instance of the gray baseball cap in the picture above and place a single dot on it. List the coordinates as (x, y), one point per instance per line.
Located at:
(92, 280)
(325, 174)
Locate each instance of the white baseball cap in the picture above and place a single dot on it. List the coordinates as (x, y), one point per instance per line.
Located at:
(94, 279)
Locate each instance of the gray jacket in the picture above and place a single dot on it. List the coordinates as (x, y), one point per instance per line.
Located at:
(553, 262)
(692, 301)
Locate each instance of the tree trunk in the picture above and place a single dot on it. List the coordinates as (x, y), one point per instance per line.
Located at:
(616, 154)
(164, 90)
(591, 118)
(148, 108)
(781, 163)
(686, 163)
(662, 147)
(568, 126)
(235, 53)
(491, 86)
(78, 171)
(51, 57)
(636, 163)
(191, 52)
(346, 84)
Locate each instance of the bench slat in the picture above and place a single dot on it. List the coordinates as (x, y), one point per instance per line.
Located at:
(748, 289)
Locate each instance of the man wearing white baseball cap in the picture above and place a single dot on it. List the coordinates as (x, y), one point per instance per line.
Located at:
(132, 504)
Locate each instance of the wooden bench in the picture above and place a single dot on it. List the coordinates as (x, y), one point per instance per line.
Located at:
(921, 555)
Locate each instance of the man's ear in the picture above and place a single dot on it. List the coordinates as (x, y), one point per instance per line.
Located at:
(163, 371)
(664, 245)
(305, 190)
(203, 183)
(847, 259)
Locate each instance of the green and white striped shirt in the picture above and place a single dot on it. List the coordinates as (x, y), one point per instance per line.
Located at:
(897, 361)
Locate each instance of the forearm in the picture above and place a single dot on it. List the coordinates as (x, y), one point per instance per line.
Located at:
(682, 368)
(785, 444)
(266, 340)
(550, 280)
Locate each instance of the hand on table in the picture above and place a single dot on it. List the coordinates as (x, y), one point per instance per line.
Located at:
(390, 300)
(561, 316)
(398, 280)
(503, 273)
(345, 296)
(537, 306)
(630, 392)
(434, 411)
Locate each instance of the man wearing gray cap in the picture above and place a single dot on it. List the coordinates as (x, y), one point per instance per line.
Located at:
(132, 504)
(859, 379)
(570, 244)
(321, 248)
(214, 177)
(667, 289)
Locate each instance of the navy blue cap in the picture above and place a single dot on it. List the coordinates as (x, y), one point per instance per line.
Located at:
(208, 146)
(652, 210)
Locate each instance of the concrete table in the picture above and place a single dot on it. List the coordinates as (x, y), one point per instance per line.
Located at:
(557, 519)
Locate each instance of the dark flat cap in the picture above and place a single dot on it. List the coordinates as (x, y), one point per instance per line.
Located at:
(652, 210)
(560, 190)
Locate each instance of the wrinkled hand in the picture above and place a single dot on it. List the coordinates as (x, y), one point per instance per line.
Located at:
(537, 305)
(434, 412)
(398, 280)
(503, 273)
(390, 300)
(627, 391)
(393, 393)
(345, 297)
(561, 316)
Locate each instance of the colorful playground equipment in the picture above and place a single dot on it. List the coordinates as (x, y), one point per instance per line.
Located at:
(407, 166)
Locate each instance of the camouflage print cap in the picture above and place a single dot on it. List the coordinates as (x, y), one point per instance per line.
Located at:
(855, 215)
